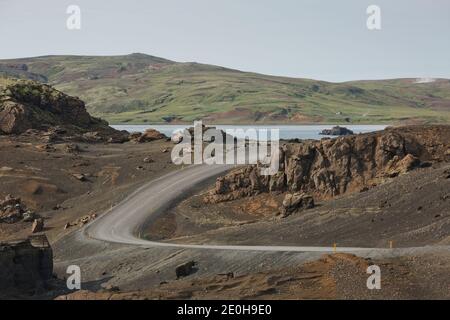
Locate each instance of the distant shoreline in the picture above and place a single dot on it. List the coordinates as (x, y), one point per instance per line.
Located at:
(259, 124)
(285, 131)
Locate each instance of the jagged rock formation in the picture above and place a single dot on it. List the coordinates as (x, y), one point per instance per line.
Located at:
(27, 105)
(331, 167)
(25, 265)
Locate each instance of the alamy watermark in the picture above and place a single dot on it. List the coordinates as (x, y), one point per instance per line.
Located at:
(233, 147)
(74, 280)
(374, 19)
(73, 22)
(374, 281)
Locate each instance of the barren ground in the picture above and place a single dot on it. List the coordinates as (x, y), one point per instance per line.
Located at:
(411, 210)
(43, 179)
(336, 276)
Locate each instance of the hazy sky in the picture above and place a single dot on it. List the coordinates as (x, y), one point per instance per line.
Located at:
(320, 39)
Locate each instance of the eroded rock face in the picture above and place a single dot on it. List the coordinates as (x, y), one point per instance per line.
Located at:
(332, 167)
(25, 264)
(26, 105)
(29, 104)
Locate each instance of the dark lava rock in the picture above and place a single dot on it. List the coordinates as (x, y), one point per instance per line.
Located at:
(337, 131)
(26, 264)
(185, 269)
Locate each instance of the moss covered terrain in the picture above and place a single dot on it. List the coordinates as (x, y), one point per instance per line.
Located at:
(139, 88)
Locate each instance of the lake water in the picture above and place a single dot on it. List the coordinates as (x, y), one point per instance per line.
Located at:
(286, 131)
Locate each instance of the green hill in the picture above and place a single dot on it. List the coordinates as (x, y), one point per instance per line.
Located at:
(139, 88)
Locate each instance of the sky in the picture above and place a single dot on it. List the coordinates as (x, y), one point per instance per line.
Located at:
(318, 39)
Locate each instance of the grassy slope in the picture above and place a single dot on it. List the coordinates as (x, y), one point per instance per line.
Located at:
(139, 88)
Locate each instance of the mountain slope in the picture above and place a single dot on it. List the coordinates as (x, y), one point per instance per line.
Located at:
(139, 88)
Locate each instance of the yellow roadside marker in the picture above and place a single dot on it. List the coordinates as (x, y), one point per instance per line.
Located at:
(334, 247)
(391, 244)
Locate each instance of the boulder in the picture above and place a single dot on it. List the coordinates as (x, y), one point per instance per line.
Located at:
(29, 216)
(38, 225)
(150, 135)
(177, 137)
(185, 269)
(296, 202)
(337, 131)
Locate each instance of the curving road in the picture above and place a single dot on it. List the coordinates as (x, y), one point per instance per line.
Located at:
(124, 222)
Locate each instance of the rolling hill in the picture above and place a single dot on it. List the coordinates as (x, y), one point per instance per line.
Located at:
(139, 88)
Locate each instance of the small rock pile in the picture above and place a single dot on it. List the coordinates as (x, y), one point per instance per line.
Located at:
(147, 136)
(185, 269)
(13, 210)
(82, 221)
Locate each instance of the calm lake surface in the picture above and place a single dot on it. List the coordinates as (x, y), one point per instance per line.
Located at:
(286, 131)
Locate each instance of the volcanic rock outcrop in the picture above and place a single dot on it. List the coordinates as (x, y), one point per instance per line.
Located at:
(336, 131)
(331, 167)
(27, 104)
(25, 265)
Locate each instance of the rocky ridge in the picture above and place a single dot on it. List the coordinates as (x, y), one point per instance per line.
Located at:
(332, 167)
(30, 107)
